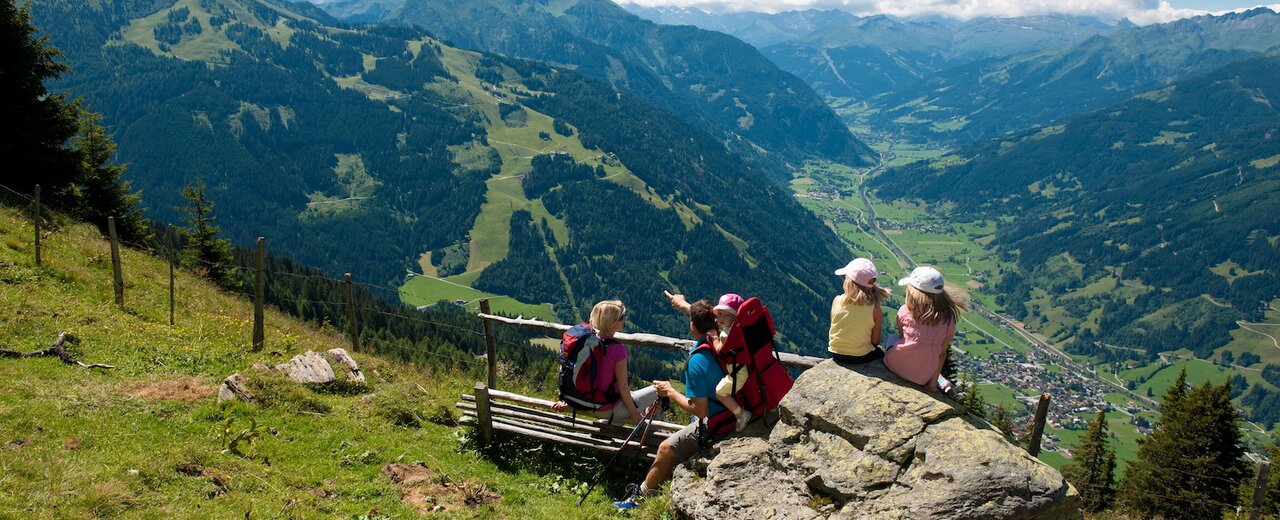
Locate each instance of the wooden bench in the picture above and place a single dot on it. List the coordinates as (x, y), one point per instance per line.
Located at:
(489, 410)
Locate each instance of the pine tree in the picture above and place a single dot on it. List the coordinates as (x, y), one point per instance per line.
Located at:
(1191, 465)
(1001, 419)
(205, 251)
(97, 191)
(37, 124)
(1093, 467)
(1176, 392)
(972, 402)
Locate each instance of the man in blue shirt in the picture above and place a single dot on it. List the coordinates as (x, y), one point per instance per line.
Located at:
(699, 399)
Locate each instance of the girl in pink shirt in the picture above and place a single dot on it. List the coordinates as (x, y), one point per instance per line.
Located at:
(926, 324)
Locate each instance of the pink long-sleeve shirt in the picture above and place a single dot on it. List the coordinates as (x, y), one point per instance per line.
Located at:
(917, 354)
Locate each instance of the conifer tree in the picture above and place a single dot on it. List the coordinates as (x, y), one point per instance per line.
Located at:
(1093, 467)
(98, 191)
(205, 250)
(1001, 419)
(972, 402)
(1192, 464)
(37, 124)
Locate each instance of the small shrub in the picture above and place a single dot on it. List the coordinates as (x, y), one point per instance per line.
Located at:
(399, 408)
(343, 387)
(442, 415)
(274, 390)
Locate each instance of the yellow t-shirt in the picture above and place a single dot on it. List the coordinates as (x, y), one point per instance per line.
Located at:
(851, 326)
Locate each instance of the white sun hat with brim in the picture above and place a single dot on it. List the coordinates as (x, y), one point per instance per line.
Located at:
(924, 278)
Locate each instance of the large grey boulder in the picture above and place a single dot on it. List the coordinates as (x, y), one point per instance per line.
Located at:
(861, 443)
(308, 367)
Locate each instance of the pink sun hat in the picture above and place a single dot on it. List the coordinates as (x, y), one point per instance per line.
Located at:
(861, 270)
(729, 303)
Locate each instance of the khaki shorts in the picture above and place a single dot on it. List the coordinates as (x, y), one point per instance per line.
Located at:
(642, 397)
(684, 442)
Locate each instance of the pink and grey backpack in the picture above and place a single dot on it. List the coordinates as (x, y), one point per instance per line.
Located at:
(581, 353)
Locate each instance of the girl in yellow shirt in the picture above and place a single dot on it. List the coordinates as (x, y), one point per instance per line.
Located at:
(856, 317)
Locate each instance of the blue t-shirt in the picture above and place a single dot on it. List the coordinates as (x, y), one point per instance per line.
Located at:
(701, 377)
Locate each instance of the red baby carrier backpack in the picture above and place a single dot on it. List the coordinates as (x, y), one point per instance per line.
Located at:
(750, 345)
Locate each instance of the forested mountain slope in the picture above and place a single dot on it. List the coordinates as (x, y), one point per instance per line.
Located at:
(991, 97)
(359, 149)
(1145, 227)
(714, 80)
(864, 58)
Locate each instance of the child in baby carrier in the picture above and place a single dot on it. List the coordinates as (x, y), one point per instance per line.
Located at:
(726, 311)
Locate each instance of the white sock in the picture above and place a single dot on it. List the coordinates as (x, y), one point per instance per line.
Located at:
(643, 489)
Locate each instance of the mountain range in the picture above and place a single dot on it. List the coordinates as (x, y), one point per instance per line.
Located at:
(758, 29)
(380, 149)
(714, 80)
(855, 58)
(986, 98)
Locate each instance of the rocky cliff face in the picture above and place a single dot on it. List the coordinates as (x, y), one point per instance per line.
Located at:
(862, 443)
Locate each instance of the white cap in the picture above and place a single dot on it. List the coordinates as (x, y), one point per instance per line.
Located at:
(861, 270)
(925, 278)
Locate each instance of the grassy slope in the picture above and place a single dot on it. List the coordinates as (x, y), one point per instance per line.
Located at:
(87, 443)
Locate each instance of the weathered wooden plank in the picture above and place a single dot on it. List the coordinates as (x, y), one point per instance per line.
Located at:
(516, 427)
(608, 431)
(646, 340)
(545, 404)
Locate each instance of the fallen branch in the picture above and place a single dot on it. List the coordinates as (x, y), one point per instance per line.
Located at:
(56, 350)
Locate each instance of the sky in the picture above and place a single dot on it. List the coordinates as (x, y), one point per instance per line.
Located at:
(1138, 11)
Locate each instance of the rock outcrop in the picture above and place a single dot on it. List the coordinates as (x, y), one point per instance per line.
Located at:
(861, 443)
(308, 367)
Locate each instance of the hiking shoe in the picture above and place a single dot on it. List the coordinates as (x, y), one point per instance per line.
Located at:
(946, 387)
(744, 417)
(633, 500)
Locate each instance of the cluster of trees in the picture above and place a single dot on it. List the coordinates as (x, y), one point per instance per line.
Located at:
(55, 141)
(177, 25)
(1192, 466)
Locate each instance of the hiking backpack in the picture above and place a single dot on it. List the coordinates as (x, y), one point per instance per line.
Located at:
(750, 345)
(581, 352)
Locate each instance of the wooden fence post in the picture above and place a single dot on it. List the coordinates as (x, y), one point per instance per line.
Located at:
(259, 328)
(36, 220)
(1037, 428)
(118, 277)
(173, 258)
(483, 419)
(490, 348)
(351, 312)
(1260, 489)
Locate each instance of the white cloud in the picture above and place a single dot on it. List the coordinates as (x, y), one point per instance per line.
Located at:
(1137, 11)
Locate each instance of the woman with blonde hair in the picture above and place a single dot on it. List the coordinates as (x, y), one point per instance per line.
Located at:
(926, 325)
(607, 319)
(856, 317)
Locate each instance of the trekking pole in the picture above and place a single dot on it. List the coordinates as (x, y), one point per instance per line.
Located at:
(644, 423)
(665, 404)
